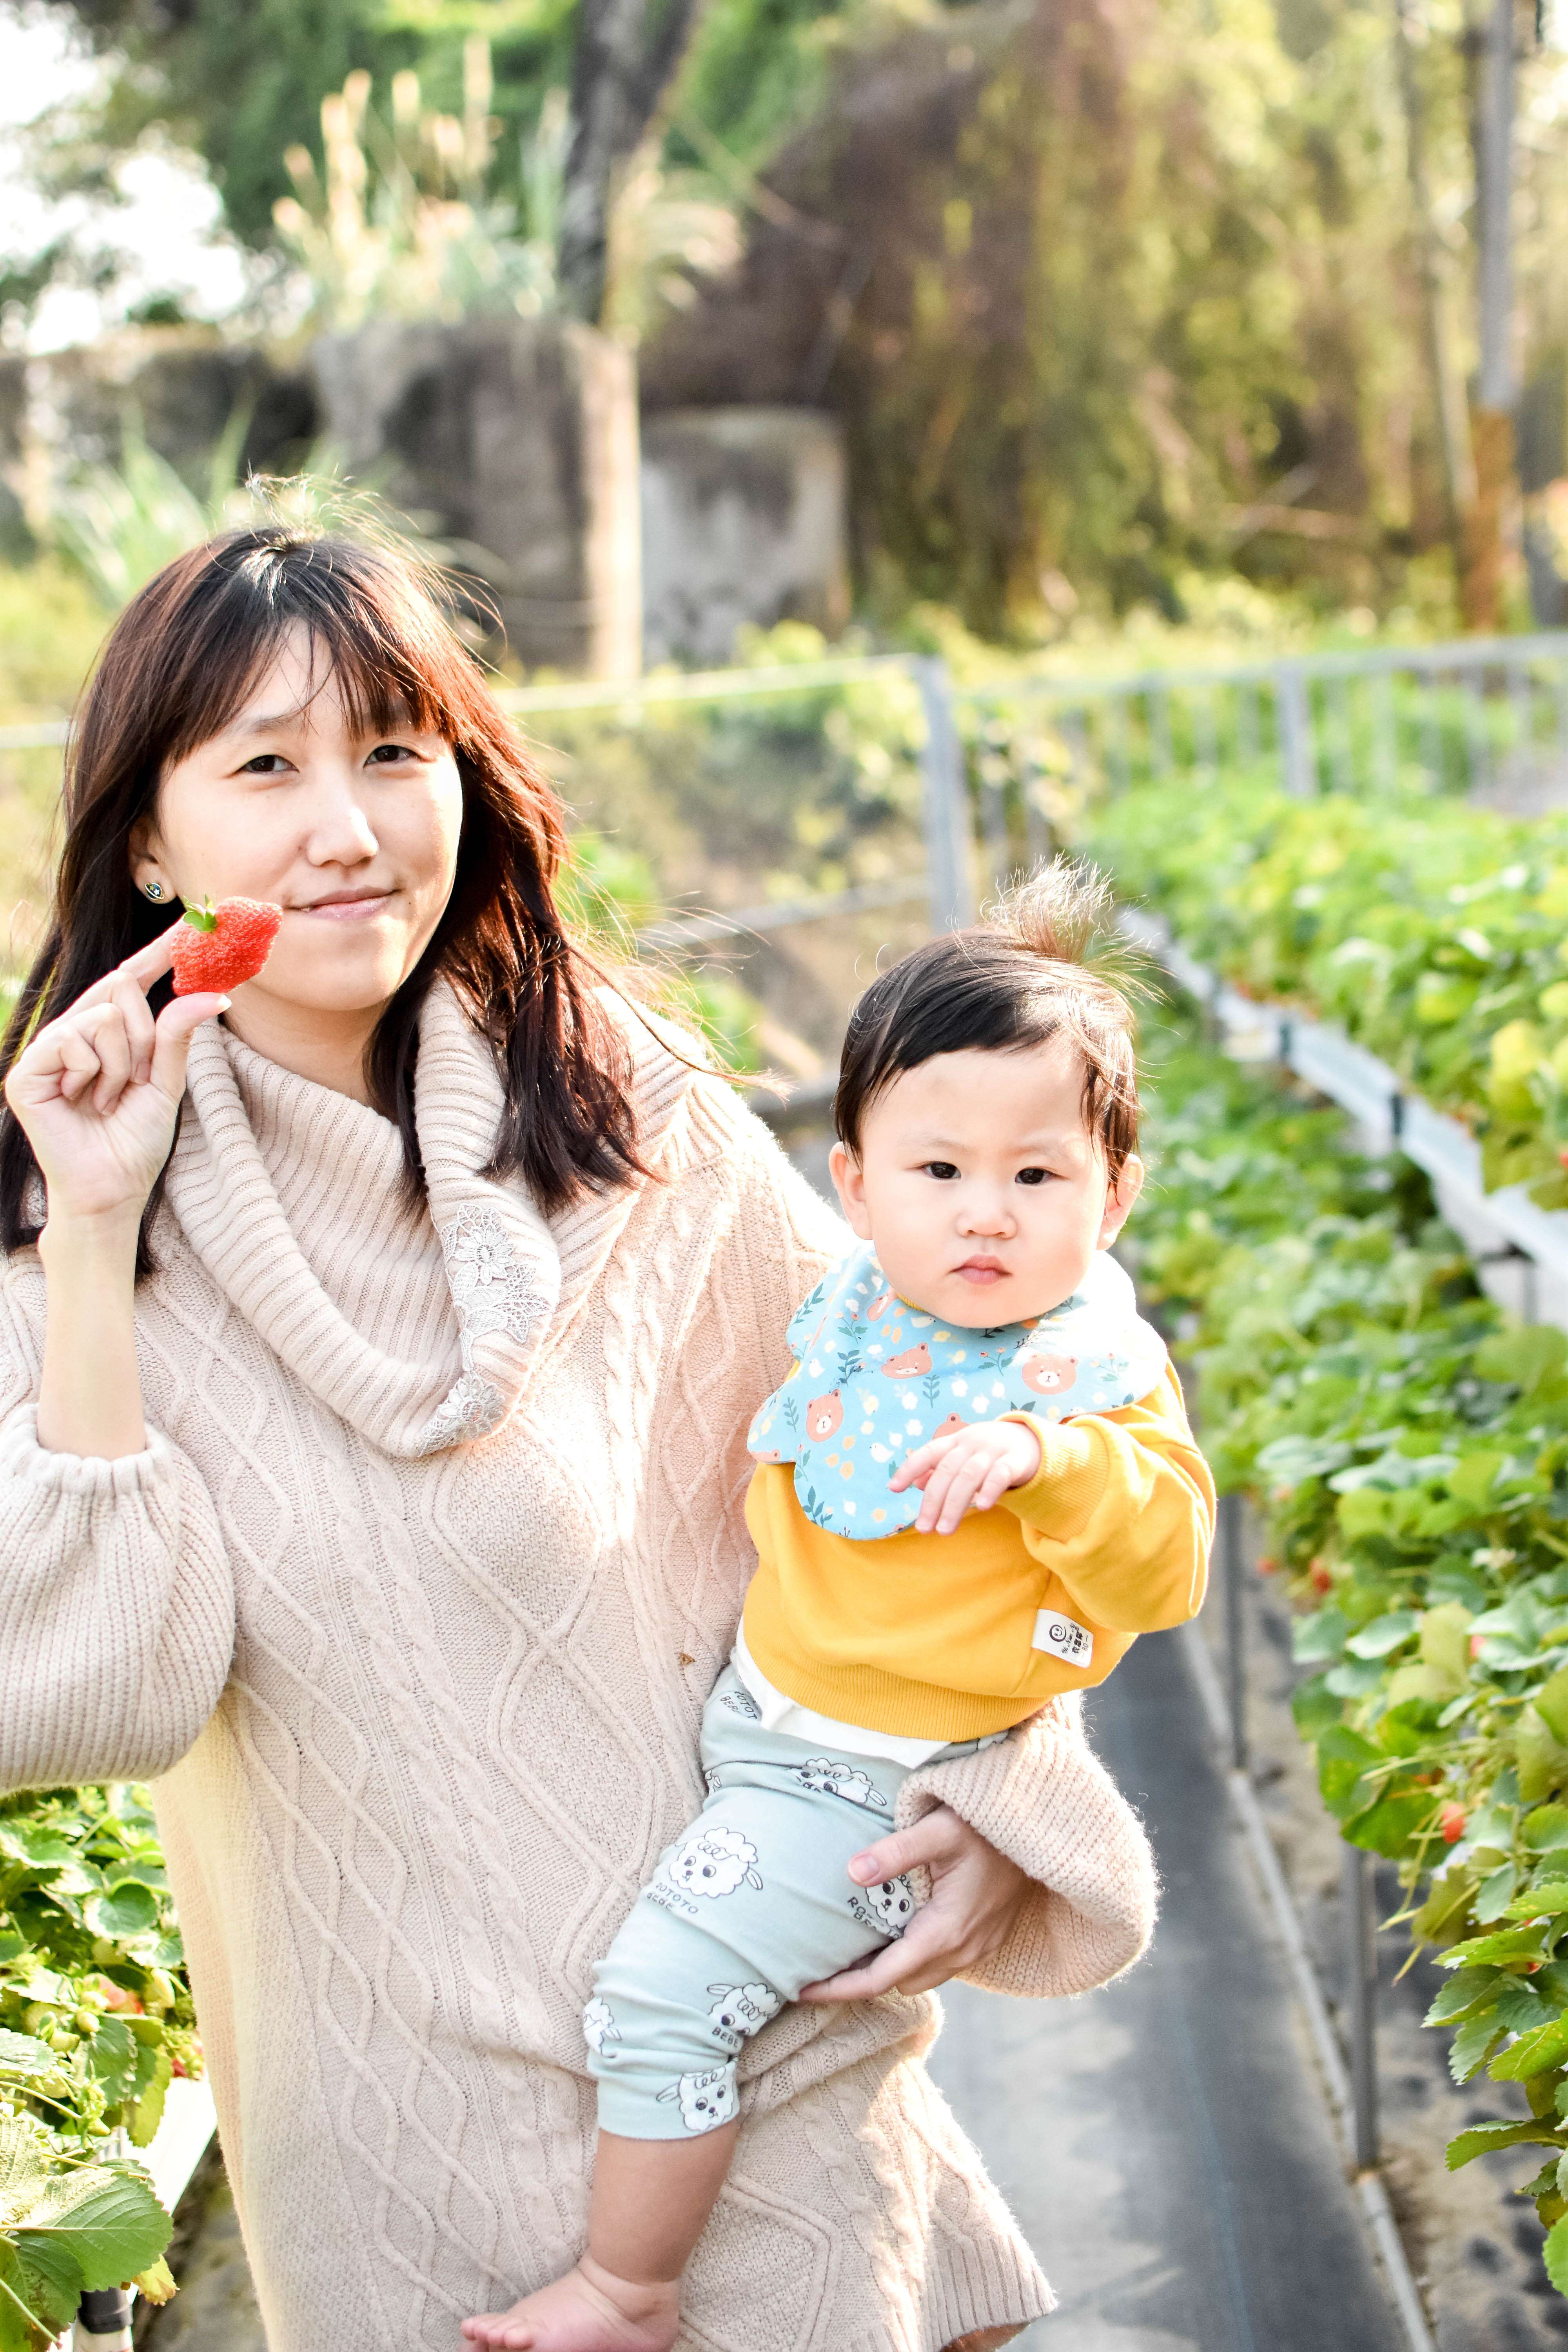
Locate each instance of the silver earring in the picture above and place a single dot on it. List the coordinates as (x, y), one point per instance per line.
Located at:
(154, 889)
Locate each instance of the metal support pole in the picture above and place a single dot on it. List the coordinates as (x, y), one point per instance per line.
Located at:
(1297, 757)
(1361, 2001)
(103, 2322)
(1231, 1570)
(946, 798)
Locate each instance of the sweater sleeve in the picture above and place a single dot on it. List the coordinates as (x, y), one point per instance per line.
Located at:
(116, 1603)
(1042, 1797)
(1122, 1509)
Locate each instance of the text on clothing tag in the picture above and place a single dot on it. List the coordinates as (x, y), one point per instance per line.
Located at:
(1063, 1637)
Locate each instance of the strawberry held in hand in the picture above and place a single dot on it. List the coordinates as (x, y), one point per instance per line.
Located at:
(224, 945)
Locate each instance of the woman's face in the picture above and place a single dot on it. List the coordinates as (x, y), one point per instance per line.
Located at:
(354, 836)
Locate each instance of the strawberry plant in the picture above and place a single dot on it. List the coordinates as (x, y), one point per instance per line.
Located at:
(1406, 1447)
(1434, 932)
(96, 2019)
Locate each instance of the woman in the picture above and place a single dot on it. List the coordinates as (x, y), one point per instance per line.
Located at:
(377, 1359)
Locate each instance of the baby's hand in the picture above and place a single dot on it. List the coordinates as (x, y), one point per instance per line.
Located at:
(967, 1470)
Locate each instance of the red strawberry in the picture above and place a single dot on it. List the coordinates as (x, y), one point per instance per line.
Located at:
(224, 944)
(1451, 1821)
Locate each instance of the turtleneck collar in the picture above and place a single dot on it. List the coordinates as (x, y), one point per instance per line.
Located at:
(420, 1327)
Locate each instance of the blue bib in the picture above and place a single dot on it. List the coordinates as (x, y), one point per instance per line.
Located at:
(876, 1378)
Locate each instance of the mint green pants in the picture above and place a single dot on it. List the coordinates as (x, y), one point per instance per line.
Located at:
(751, 1903)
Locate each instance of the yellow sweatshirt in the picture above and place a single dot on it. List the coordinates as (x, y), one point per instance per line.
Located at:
(933, 1637)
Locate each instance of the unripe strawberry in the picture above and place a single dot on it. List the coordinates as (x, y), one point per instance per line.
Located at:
(1451, 1822)
(1476, 1641)
(220, 947)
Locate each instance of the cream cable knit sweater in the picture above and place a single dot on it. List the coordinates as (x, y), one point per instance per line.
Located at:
(410, 1607)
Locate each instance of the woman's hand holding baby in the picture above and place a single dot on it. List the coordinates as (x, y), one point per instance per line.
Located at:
(967, 1470)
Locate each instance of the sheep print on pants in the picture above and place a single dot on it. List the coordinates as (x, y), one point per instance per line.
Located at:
(753, 1902)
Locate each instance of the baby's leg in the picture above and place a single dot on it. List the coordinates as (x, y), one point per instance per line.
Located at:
(754, 1902)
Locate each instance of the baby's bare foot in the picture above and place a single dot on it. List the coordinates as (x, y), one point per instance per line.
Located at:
(589, 2310)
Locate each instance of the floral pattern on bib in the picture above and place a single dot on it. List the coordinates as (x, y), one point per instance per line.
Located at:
(875, 1378)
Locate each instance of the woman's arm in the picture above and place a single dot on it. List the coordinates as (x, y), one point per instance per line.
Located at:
(116, 1608)
(116, 1602)
(1042, 1879)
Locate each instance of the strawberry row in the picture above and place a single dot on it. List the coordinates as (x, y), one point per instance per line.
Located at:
(1434, 932)
(1406, 1447)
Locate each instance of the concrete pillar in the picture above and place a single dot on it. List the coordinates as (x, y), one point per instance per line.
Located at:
(743, 521)
(515, 440)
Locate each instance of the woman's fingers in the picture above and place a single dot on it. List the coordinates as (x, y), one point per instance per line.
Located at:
(933, 1948)
(71, 1058)
(176, 1025)
(930, 1840)
(131, 1002)
(112, 1047)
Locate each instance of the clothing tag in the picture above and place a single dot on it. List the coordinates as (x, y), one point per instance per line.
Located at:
(1063, 1637)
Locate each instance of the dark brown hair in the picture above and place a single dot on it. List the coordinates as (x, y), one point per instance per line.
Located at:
(1019, 979)
(178, 664)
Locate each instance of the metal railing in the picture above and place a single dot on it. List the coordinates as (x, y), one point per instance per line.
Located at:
(1477, 716)
(1484, 715)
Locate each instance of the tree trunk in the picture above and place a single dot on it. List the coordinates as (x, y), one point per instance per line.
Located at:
(627, 53)
(1446, 391)
(1491, 423)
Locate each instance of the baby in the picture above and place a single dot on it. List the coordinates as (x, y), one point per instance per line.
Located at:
(977, 1486)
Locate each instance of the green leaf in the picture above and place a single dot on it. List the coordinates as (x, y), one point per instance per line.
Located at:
(50, 2281)
(23, 2167)
(1507, 1944)
(115, 2049)
(19, 2331)
(1313, 1706)
(155, 2075)
(1554, 2254)
(1550, 1896)
(1388, 1826)
(1321, 1636)
(1354, 1677)
(110, 2221)
(1484, 2139)
(1551, 1703)
(1542, 1758)
(128, 1910)
(25, 2055)
(1533, 2053)
(1493, 1893)
(1343, 1758)
(1522, 1358)
(1384, 1633)
(1464, 1995)
(26, 1842)
(1472, 2046)
(1546, 1827)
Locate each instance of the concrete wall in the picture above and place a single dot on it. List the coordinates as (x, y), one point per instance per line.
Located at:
(742, 521)
(515, 441)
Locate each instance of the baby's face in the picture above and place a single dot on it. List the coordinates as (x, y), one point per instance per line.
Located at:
(983, 1194)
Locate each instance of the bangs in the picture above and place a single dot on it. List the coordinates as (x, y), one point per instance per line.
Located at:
(375, 627)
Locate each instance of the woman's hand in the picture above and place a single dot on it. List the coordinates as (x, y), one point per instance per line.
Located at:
(97, 1092)
(975, 1897)
(967, 1470)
